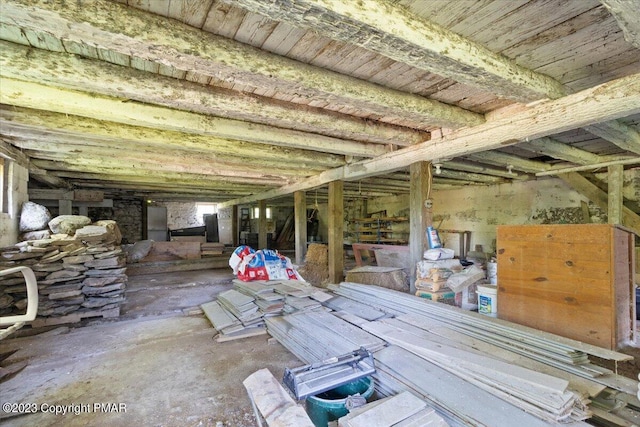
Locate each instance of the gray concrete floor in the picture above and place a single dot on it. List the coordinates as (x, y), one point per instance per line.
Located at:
(160, 364)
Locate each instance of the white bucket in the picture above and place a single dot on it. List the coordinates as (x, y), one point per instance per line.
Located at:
(492, 272)
(488, 300)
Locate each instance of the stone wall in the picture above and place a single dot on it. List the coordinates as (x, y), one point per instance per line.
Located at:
(18, 178)
(128, 214)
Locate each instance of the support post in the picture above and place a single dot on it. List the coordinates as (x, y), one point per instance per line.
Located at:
(336, 231)
(262, 224)
(419, 215)
(615, 197)
(64, 207)
(235, 226)
(300, 216)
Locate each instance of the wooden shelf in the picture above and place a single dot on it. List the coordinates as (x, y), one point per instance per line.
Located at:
(380, 230)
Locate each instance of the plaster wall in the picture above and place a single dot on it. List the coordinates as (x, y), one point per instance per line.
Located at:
(182, 215)
(18, 178)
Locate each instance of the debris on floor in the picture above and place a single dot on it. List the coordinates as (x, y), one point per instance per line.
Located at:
(273, 402)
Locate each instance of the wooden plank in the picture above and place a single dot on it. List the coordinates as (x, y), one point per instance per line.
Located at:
(179, 265)
(623, 12)
(615, 178)
(169, 251)
(394, 33)
(273, 401)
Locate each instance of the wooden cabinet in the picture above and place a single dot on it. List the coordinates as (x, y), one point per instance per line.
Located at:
(571, 280)
(389, 230)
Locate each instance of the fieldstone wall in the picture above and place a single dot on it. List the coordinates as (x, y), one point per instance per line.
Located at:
(128, 214)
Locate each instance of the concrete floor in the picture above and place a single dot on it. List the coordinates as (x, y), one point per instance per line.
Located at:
(163, 365)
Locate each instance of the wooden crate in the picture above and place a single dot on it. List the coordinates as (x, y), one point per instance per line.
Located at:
(571, 280)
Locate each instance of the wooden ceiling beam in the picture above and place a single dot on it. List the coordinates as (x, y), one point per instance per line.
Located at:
(558, 150)
(617, 133)
(608, 101)
(505, 160)
(40, 130)
(41, 97)
(626, 13)
(390, 30)
(98, 29)
(67, 71)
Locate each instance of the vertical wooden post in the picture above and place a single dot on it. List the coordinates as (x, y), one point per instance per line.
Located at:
(336, 231)
(419, 215)
(262, 224)
(616, 179)
(300, 216)
(64, 207)
(235, 233)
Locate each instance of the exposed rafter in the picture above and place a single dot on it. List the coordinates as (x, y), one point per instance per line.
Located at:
(608, 101)
(66, 71)
(390, 30)
(559, 150)
(38, 96)
(88, 29)
(617, 133)
(627, 14)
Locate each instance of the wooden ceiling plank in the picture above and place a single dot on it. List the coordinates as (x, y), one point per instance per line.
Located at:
(186, 48)
(68, 71)
(625, 13)
(617, 133)
(609, 101)
(498, 158)
(394, 33)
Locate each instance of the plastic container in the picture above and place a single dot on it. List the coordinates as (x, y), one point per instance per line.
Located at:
(331, 405)
(433, 238)
(492, 272)
(488, 300)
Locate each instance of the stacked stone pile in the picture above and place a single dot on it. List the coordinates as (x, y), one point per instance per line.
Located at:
(80, 268)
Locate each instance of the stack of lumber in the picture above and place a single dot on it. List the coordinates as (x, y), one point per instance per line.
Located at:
(78, 276)
(240, 312)
(472, 369)
(402, 410)
(316, 335)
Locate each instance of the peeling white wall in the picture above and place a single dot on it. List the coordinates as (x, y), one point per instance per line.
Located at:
(182, 215)
(18, 178)
(481, 209)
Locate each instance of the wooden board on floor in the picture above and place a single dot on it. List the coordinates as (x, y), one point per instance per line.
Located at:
(137, 269)
(167, 251)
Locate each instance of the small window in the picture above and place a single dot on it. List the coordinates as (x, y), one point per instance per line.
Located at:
(203, 209)
(256, 213)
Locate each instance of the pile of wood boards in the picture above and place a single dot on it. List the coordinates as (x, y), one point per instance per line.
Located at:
(402, 410)
(240, 312)
(211, 248)
(79, 276)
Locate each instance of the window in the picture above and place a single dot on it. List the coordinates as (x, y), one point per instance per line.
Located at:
(256, 213)
(203, 209)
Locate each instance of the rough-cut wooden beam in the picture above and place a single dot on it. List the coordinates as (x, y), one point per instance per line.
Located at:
(45, 177)
(392, 31)
(617, 133)
(556, 149)
(556, 170)
(609, 101)
(41, 97)
(10, 152)
(300, 225)
(41, 130)
(419, 215)
(627, 14)
(599, 197)
(481, 169)
(335, 236)
(614, 196)
(497, 158)
(68, 71)
(262, 225)
(88, 29)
